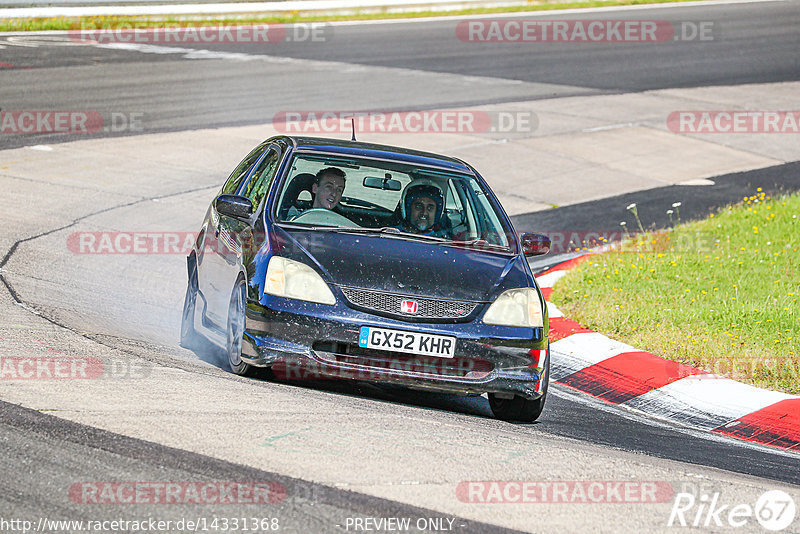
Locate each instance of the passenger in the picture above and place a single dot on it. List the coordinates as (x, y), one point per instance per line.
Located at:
(422, 206)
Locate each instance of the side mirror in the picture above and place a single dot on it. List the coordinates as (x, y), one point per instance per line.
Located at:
(534, 244)
(234, 206)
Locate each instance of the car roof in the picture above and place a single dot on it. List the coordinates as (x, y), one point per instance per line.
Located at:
(371, 150)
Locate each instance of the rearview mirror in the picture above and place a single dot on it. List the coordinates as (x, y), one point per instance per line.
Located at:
(534, 244)
(387, 184)
(234, 206)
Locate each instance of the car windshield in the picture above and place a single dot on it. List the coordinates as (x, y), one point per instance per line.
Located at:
(374, 196)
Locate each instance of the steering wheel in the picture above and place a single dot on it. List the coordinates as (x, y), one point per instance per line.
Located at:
(323, 216)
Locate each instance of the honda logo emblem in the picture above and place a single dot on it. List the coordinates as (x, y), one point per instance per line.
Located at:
(408, 306)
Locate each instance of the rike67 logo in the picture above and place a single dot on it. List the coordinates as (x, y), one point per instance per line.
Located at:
(774, 510)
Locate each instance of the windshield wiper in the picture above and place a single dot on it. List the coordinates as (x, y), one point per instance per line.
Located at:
(301, 226)
(364, 230)
(390, 230)
(479, 242)
(476, 241)
(349, 229)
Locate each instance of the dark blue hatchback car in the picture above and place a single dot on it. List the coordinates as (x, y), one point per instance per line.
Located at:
(323, 258)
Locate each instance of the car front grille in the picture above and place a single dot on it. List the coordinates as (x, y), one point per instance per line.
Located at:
(389, 303)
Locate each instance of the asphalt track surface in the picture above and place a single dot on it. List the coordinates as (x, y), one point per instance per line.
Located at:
(568, 414)
(765, 42)
(751, 43)
(63, 450)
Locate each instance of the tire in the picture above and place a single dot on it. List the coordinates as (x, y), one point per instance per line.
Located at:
(190, 338)
(235, 331)
(519, 408)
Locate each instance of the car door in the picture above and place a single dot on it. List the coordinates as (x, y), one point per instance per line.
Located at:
(234, 237)
(213, 289)
(257, 190)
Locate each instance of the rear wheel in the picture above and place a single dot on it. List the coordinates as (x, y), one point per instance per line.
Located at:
(235, 331)
(520, 408)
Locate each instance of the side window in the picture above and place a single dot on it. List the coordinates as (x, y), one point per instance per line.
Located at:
(454, 208)
(262, 177)
(487, 218)
(236, 177)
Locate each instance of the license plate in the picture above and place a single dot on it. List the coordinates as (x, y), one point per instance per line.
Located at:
(407, 342)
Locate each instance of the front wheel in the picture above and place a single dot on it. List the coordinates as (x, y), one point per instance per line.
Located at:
(517, 409)
(235, 331)
(520, 408)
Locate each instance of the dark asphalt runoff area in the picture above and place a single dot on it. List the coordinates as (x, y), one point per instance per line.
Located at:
(697, 202)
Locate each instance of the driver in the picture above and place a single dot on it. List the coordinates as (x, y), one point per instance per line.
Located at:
(422, 205)
(327, 191)
(328, 188)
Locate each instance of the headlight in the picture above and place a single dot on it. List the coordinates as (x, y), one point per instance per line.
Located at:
(516, 307)
(295, 280)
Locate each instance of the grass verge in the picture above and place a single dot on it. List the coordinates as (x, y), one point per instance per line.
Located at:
(719, 294)
(148, 21)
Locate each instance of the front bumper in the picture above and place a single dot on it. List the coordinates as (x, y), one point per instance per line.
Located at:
(307, 341)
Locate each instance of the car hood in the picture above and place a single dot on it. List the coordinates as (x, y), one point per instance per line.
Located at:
(394, 265)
